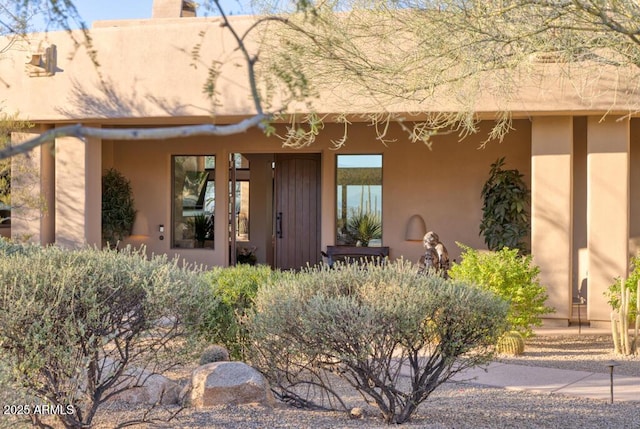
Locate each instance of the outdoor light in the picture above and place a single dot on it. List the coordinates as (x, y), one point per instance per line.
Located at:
(416, 228)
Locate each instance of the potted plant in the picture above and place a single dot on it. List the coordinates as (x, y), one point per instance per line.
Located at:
(505, 212)
(201, 225)
(246, 255)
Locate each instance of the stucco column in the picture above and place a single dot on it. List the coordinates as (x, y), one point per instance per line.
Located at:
(32, 200)
(78, 192)
(328, 198)
(552, 210)
(221, 210)
(93, 192)
(608, 143)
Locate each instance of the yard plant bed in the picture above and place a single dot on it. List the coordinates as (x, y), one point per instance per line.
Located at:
(453, 405)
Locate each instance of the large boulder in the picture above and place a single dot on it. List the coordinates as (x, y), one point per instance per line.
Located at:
(221, 383)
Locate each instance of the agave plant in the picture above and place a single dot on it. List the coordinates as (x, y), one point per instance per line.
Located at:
(362, 227)
(201, 225)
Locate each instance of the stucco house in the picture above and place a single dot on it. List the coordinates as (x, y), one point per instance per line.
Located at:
(583, 167)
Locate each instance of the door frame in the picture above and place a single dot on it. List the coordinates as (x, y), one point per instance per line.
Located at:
(270, 236)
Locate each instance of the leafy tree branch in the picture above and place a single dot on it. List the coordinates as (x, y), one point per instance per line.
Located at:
(443, 58)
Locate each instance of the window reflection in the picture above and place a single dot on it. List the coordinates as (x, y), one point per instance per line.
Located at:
(359, 200)
(193, 201)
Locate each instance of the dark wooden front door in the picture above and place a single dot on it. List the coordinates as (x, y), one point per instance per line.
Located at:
(297, 210)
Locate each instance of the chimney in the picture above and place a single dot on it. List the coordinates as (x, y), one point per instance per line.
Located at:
(173, 9)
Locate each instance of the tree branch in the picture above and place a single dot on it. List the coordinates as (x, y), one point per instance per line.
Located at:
(82, 132)
(251, 60)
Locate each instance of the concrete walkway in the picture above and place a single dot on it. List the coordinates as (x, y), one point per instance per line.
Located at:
(554, 381)
(557, 381)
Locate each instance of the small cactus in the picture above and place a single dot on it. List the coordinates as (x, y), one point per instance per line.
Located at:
(510, 343)
(214, 353)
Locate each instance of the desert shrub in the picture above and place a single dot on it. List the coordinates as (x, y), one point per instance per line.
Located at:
(11, 395)
(511, 276)
(365, 324)
(234, 288)
(613, 292)
(8, 247)
(72, 322)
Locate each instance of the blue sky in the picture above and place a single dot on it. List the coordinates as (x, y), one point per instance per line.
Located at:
(96, 10)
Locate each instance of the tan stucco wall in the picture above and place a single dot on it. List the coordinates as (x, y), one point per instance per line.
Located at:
(442, 184)
(156, 80)
(608, 143)
(552, 208)
(70, 192)
(146, 70)
(148, 80)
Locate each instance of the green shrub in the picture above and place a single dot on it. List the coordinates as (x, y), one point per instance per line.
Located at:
(505, 209)
(72, 322)
(511, 276)
(364, 324)
(235, 288)
(118, 212)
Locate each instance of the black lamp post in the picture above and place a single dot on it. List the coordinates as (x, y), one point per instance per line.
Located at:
(611, 364)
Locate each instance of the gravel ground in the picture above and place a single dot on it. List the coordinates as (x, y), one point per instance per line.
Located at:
(451, 406)
(575, 352)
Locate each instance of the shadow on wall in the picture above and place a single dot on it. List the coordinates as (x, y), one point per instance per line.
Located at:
(111, 102)
(70, 215)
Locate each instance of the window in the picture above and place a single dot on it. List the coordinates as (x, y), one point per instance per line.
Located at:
(359, 200)
(241, 173)
(193, 201)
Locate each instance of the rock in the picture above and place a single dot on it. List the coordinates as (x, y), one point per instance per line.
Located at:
(155, 388)
(184, 397)
(356, 413)
(221, 383)
(149, 388)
